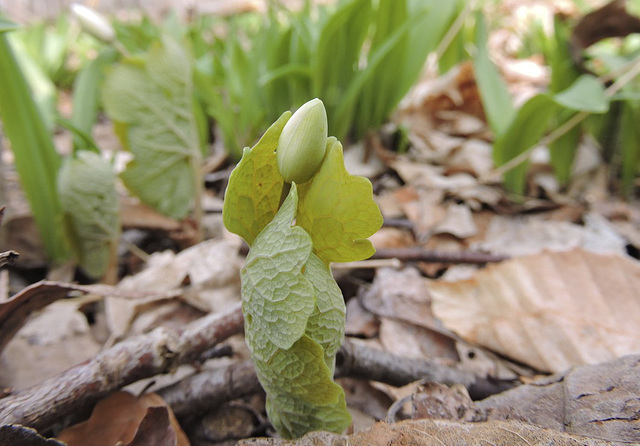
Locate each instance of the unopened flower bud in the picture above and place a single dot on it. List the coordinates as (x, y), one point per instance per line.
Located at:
(303, 142)
(94, 23)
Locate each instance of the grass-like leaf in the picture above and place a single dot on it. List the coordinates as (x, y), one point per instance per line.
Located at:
(36, 159)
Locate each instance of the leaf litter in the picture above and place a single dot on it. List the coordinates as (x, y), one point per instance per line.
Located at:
(565, 303)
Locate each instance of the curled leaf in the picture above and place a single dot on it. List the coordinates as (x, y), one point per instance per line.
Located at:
(86, 185)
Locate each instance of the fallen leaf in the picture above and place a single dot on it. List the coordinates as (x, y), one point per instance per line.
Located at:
(53, 340)
(438, 432)
(599, 401)
(121, 418)
(212, 269)
(525, 235)
(551, 310)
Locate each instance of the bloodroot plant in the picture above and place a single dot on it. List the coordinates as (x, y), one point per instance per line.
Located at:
(292, 200)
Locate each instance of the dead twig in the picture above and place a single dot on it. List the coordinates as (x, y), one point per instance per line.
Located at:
(79, 388)
(418, 254)
(208, 390)
(8, 258)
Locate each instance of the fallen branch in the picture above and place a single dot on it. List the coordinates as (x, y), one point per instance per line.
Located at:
(79, 388)
(208, 390)
(418, 254)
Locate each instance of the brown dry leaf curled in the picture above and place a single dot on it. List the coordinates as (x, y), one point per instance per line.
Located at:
(122, 418)
(551, 310)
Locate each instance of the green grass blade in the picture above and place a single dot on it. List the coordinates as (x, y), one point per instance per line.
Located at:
(36, 159)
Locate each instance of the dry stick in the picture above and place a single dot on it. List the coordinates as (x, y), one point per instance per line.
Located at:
(80, 387)
(424, 255)
(208, 390)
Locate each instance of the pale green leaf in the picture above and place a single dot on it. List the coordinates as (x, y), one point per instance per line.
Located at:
(255, 186)
(301, 394)
(153, 99)
(87, 188)
(277, 299)
(326, 324)
(585, 94)
(338, 211)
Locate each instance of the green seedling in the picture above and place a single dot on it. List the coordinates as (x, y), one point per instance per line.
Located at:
(294, 311)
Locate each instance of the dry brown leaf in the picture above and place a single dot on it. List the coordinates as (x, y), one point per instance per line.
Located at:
(55, 339)
(121, 417)
(211, 268)
(438, 432)
(599, 401)
(551, 310)
(531, 234)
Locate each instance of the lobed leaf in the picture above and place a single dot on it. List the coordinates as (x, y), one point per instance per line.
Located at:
(255, 186)
(151, 100)
(338, 211)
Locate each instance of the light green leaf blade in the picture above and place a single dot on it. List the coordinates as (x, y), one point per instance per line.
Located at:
(327, 322)
(529, 125)
(338, 211)
(36, 159)
(255, 186)
(152, 100)
(585, 94)
(277, 299)
(87, 188)
(301, 394)
(7, 25)
(496, 99)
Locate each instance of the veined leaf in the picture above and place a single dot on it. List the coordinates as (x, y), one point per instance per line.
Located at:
(87, 188)
(255, 186)
(326, 324)
(294, 324)
(338, 211)
(152, 100)
(277, 298)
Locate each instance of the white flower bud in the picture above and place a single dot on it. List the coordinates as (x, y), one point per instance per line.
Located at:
(94, 23)
(303, 143)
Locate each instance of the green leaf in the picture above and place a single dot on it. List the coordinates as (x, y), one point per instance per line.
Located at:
(306, 398)
(563, 150)
(326, 324)
(86, 95)
(529, 125)
(338, 211)
(496, 99)
(294, 324)
(629, 145)
(7, 25)
(152, 101)
(87, 188)
(255, 186)
(585, 94)
(277, 299)
(36, 159)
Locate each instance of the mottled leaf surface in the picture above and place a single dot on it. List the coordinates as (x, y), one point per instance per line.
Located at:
(87, 188)
(255, 186)
(277, 299)
(338, 211)
(150, 99)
